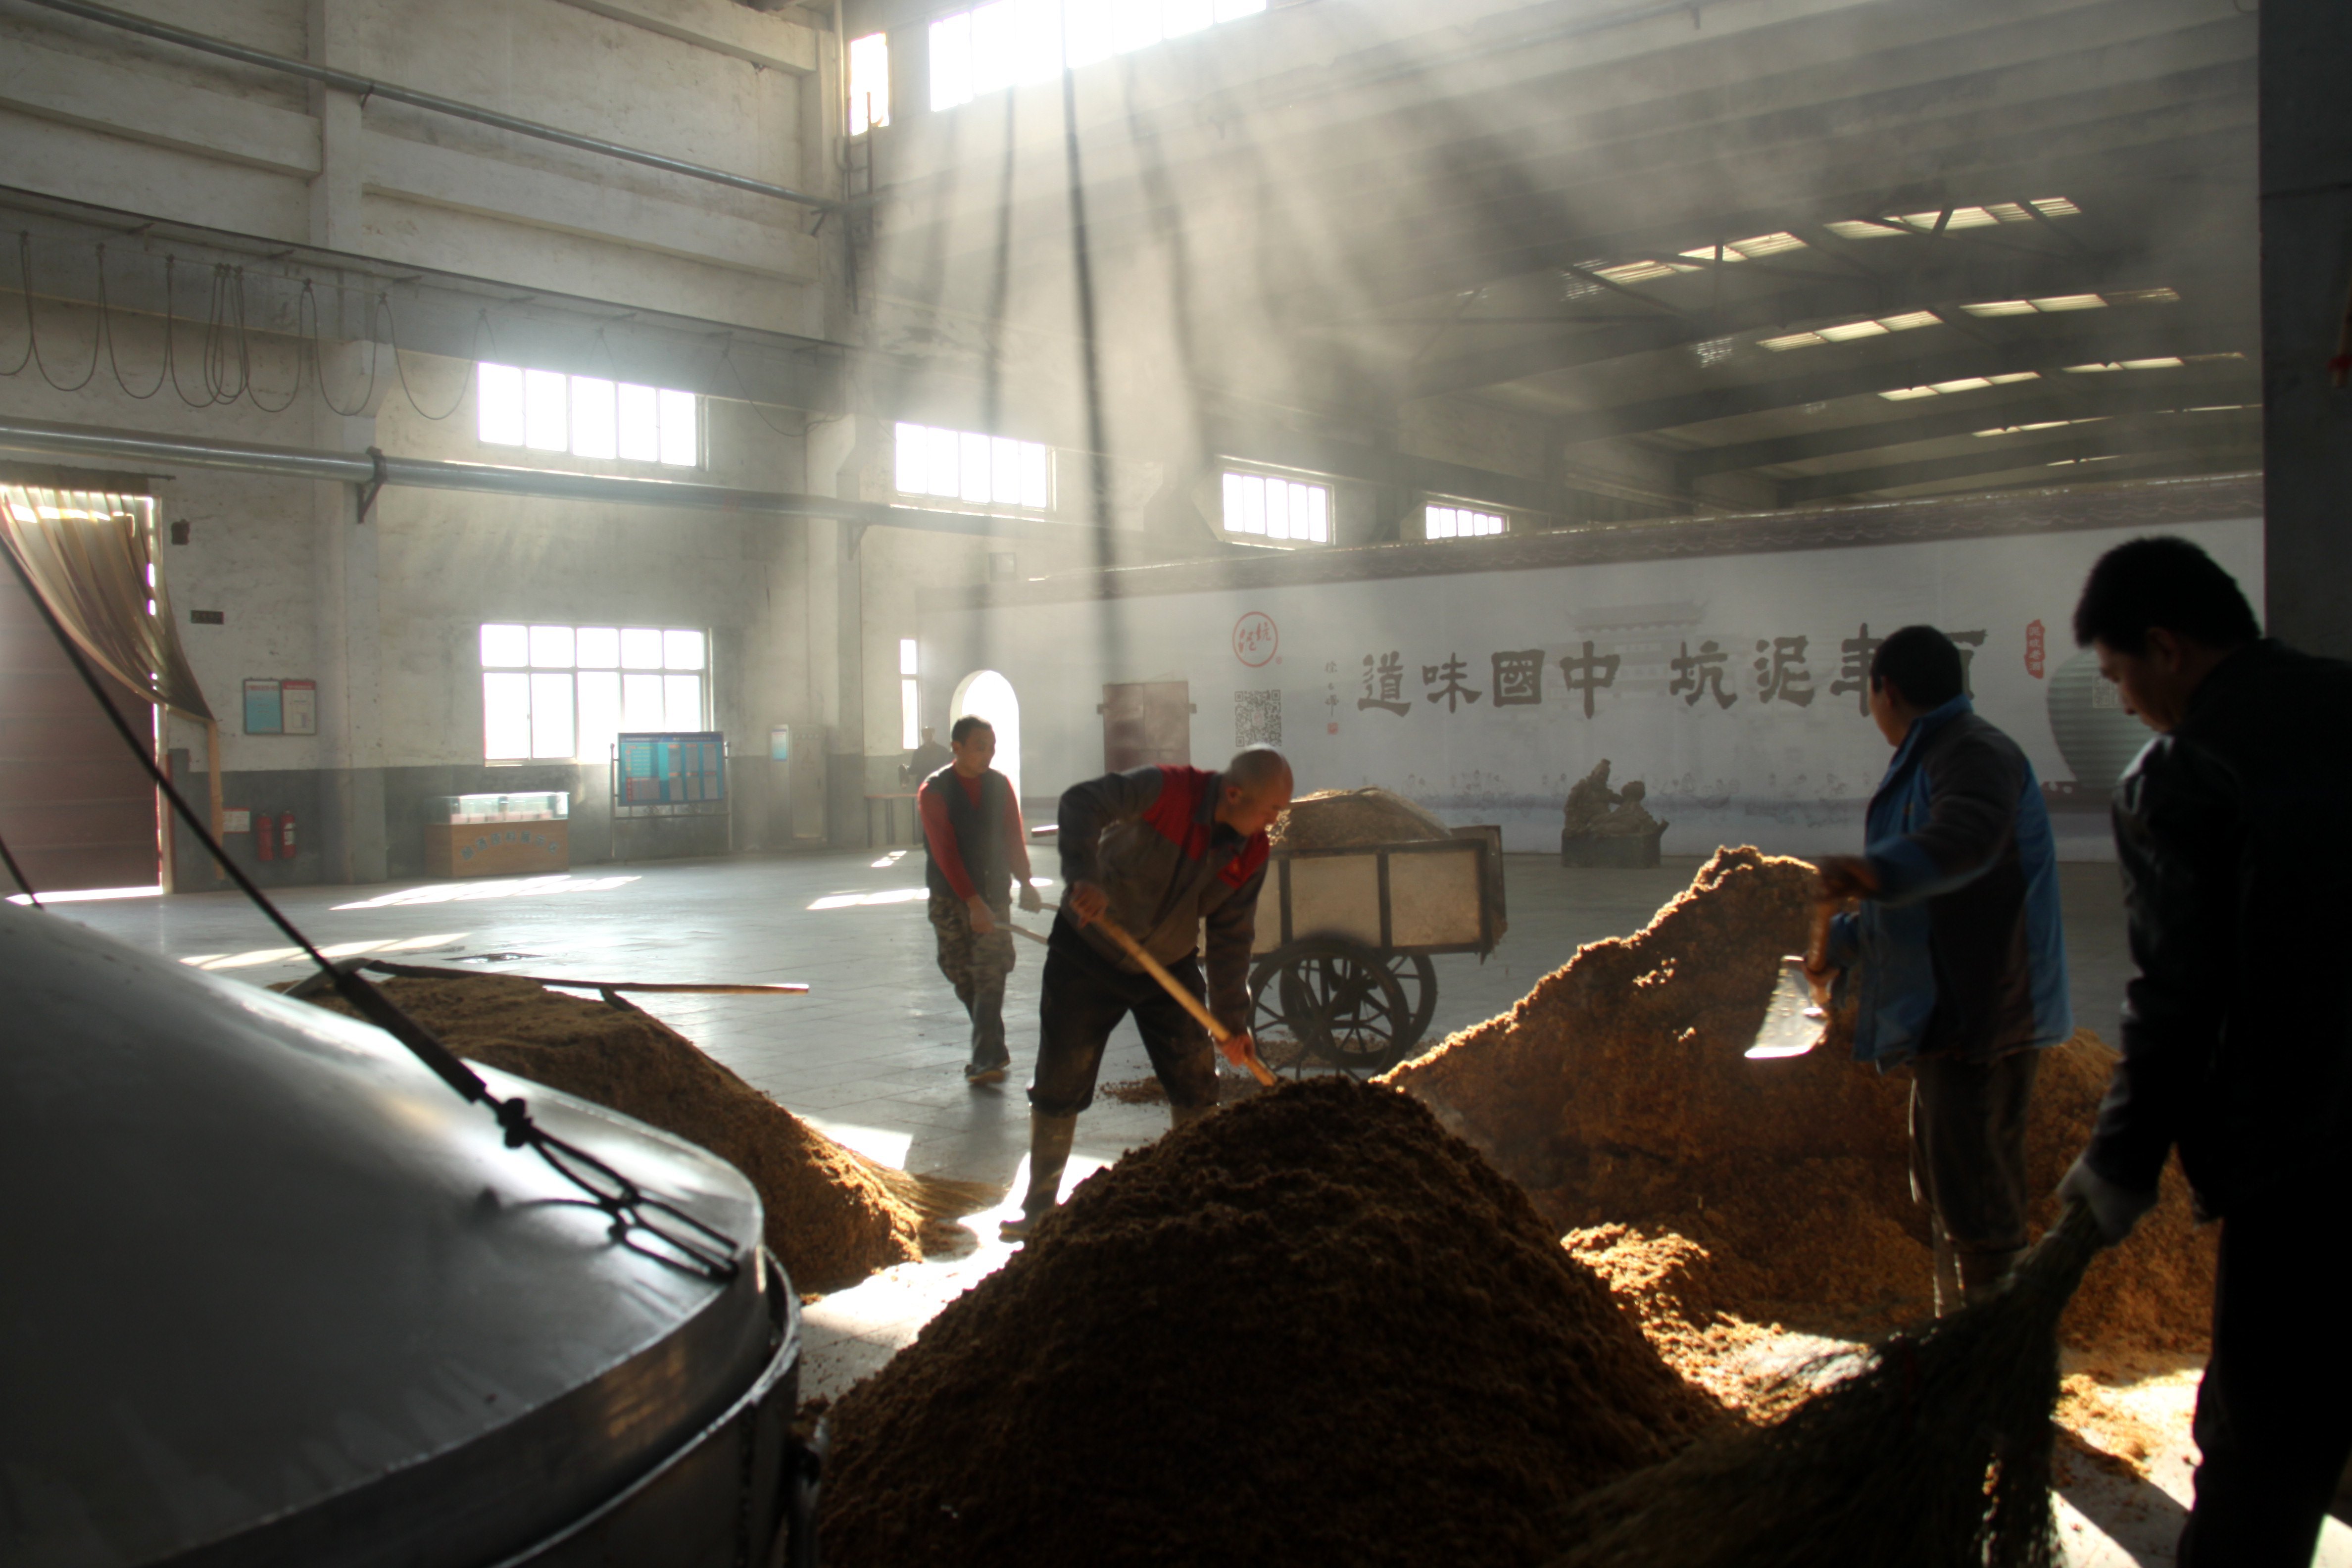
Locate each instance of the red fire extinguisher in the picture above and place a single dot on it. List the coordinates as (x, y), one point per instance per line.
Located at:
(265, 837)
(286, 836)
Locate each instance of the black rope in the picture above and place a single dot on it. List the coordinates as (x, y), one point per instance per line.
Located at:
(708, 1251)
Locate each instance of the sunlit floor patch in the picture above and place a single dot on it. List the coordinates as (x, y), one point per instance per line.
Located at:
(890, 860)
(471, 892)
(88, 896)
(861, 901)
(266, 955)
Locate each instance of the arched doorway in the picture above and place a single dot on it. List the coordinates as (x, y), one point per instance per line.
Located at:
(990, 695)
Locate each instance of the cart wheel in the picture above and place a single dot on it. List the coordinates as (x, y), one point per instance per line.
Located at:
(1280, 1044)
(1339, 999)
(1416, 977)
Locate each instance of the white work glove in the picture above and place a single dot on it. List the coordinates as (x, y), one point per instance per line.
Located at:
(2116, 1208)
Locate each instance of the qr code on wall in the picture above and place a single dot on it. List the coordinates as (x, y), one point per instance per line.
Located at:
(1257, 719)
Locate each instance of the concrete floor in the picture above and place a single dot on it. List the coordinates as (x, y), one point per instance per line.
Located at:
(873, 1052)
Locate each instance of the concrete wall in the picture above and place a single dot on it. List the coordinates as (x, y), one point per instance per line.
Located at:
(1789, 774)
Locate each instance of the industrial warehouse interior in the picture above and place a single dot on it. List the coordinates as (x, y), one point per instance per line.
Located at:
(1117, 782)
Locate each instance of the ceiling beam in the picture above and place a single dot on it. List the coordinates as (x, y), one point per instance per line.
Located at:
(1923, 277)
(2148, 333)
(2100, 397)
(2238, 434)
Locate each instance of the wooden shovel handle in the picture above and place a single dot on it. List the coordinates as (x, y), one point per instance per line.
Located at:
(1184, 997)
(1817, 946)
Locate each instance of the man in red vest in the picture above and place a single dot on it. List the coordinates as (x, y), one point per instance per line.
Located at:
(1162, 851)
(973, 847)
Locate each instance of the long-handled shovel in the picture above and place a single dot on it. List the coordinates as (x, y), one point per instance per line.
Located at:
(1176, 988)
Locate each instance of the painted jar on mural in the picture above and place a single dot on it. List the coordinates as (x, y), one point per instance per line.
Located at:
(2094, 734)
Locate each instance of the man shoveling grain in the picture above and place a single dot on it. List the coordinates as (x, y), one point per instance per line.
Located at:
(2237, 1026)
(1957, 954)
(1158, 851)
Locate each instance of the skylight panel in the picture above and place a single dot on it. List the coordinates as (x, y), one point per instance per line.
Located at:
(1748, 249)
(2142, 297)
(1854, 229)
(1964, 383)
(1639, 272)
(2042, 425)
(2001, 308)
(2055, 206)
(1876, 328)
(2167, 362)
(2050, 304)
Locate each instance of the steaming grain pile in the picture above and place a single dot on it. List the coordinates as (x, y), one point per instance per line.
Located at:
(1311, 1328)
(1344, 819)
(833, 1218)
(1717, 1192)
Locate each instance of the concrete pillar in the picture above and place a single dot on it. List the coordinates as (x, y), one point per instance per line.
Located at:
(335, 190)
(836, 664)
(2306, 217)
(348, 632)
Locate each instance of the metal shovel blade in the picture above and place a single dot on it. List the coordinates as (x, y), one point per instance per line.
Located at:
(1792, 1023)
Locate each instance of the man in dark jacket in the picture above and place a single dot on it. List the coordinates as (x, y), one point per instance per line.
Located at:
(2237, 1027)
(1162, 851)
(972, 845)
(1957, 956)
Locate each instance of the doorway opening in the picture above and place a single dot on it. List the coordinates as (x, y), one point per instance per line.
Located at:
(990, 695)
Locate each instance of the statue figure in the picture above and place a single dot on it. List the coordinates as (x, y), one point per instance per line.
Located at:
(1604, 826)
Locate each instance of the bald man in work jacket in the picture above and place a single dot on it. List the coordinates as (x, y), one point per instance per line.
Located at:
(1159, 850)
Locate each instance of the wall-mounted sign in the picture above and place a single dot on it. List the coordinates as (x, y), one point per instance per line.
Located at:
(281, 707)
(236, 819)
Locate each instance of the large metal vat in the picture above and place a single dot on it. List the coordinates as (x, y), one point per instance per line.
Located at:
(271, 1293)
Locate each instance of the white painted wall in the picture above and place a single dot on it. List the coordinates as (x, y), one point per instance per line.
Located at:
(1790, 778)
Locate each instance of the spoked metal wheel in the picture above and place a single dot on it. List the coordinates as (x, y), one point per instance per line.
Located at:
(1279, 1044)
(1339, 1002)
(1416, 976)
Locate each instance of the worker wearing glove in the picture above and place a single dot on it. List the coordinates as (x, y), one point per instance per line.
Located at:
(973, 843)
(1164, 851)
(1957, 961)
(2237, 1026)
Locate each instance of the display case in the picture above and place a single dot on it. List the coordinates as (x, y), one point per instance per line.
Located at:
(523, 833)
(527, 805)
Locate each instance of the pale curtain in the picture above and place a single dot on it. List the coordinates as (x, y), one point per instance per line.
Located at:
(91, 557)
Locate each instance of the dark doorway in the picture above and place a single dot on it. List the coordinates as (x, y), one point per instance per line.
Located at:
(76, 809)
(1147, 721)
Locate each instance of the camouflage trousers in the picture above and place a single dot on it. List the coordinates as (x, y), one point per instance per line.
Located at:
(976, 966)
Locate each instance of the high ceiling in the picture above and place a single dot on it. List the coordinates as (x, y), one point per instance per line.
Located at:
(1766, 251)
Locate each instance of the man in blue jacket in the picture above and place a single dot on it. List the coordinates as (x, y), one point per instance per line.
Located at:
(1957, 959)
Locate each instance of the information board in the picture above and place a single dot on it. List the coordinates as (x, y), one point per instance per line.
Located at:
(688, 769)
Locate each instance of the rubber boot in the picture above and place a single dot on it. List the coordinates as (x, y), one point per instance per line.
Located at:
(1948, 1296)
(1186, 1115)
(1050, 1138)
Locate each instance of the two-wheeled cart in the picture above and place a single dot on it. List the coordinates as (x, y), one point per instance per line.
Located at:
(1345, 936)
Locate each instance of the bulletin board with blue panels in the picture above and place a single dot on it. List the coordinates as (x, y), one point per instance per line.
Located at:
(684, 770)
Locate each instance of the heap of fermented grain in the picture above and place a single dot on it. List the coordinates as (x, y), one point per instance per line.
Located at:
(1345, 818)
(832, 1215)
(1311, 1328)
(1716, 1192)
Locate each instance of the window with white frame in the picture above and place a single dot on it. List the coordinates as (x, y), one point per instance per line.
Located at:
(966, 466)
(1260, 505)
(587, 416)
(1460, 523)
(911, 697)
(1014, 43)
(560, 693)
(869, 82)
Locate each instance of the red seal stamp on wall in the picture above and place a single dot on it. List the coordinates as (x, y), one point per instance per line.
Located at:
(1255, 638)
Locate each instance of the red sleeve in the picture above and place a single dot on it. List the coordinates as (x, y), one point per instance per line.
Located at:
(1016, 836)
(940, 833)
